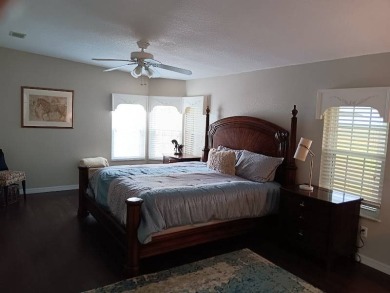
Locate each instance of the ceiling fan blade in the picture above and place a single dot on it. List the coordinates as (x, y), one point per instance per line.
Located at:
(99, 59)
(152, 61)
(118, 67)
(172, 68)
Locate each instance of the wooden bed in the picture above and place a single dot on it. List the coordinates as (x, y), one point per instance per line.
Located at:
(238, 132)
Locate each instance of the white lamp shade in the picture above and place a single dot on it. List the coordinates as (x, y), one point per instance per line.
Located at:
(303, 149)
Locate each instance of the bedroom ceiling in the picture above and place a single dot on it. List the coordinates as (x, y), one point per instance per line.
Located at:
(209, 37)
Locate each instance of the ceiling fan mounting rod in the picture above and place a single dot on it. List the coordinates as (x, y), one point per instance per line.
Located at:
(143, 45)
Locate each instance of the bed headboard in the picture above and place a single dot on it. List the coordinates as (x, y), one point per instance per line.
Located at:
(259, 136)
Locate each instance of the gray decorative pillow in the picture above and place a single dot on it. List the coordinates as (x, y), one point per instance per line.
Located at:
(257, 167)
(222, 161)
(237, 152)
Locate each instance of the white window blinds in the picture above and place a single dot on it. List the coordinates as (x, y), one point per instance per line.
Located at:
(128, 142)
(194, 131)
(165, 124)
(354, 153)
(194, 110)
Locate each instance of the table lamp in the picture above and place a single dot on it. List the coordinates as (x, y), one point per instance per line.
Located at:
(301, 153)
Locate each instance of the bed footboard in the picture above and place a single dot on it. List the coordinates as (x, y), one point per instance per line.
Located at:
(126, 236)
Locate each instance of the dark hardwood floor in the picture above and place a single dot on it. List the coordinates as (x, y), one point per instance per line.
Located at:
(44, 247)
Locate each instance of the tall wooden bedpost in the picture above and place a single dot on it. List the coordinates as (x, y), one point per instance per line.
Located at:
(291, 168)
(133, 218)
(83, 184)
(205, 152)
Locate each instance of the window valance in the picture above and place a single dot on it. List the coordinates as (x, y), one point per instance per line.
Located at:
(199, 102)
(118, 99)
(155, 101)
(375, 97)
(149, 102)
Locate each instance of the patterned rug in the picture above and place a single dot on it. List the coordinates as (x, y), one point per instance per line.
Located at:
(239, 271)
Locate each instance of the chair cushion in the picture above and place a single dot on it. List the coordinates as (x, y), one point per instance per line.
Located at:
(10, 177)
(3, 165)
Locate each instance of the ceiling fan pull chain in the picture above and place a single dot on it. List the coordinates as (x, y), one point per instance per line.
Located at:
(143, 82)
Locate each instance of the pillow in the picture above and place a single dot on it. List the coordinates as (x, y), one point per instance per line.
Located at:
(94, 162)
(236, 152)
(3, 165)
(257, 167)
(222, 161)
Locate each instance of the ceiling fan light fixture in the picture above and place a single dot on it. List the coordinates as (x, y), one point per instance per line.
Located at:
(133, 74)
(136, 72)
(149, 72)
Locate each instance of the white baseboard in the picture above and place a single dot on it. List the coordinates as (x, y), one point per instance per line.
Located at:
(49, 189)
(384, 268)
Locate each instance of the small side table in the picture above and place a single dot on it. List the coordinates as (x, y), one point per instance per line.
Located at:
(168, 159)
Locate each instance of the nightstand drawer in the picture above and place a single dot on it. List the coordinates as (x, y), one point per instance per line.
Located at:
(313, 240)
(305, 212)
(298, 203)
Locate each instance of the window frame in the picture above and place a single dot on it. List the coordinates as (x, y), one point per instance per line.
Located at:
(149, 102)
(346, 129)
(374, 97)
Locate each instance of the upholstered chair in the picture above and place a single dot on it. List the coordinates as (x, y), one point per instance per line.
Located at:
(8, 177)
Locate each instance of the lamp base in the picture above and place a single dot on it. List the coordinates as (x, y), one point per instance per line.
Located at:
(306, 187)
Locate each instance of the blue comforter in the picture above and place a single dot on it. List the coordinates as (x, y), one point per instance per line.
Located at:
(181, 194)
(100, 181)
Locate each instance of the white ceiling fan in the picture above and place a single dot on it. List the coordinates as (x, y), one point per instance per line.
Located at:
(145, 62)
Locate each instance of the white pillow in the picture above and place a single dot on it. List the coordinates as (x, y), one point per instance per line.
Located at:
(94, 162)
(257, 167)
(236, 152)
(222, 161)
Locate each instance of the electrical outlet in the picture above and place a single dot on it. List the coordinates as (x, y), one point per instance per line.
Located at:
(364, 231)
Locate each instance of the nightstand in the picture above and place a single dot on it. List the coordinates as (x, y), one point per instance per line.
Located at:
(167, 159)
(323, 222)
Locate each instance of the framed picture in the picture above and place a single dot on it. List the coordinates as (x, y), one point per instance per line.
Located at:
(49, 108)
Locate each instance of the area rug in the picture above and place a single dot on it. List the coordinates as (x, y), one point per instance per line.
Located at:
(239, 271)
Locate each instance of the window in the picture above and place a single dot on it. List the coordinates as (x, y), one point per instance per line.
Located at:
(165, 124)
(194, 130)
(128, 142)
(354, 154)
(143, 127)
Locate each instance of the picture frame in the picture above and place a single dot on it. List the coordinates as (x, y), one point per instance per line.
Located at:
(47, 108)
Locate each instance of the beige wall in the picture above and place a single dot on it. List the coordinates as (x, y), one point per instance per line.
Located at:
(271, 94)
(50, 156)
